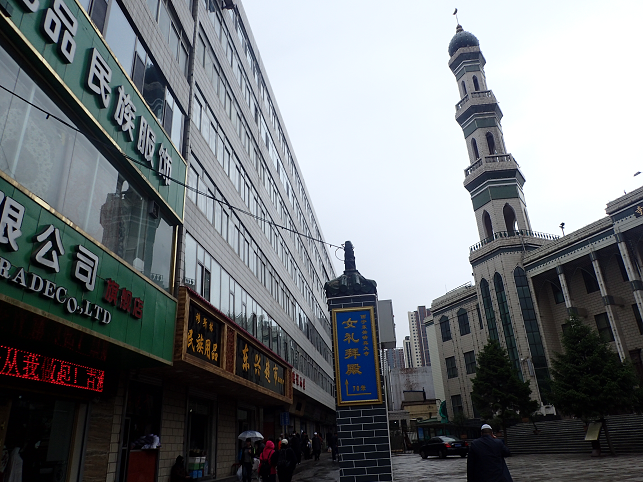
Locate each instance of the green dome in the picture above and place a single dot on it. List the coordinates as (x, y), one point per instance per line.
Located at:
(462, 39)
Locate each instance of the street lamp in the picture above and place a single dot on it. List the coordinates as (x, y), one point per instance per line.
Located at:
(562, 228)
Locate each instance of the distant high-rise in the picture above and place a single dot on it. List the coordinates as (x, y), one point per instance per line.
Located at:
(408, 361)
(419, 344)
(395, 358)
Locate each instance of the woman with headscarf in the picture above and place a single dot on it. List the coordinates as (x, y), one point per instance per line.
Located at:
(266, 458)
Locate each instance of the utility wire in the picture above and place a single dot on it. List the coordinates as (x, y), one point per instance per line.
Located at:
(180, 183)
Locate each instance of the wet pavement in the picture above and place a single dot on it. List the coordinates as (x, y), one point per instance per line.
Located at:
(523, 468)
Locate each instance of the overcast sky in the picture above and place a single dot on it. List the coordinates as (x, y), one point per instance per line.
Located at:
(368, 101)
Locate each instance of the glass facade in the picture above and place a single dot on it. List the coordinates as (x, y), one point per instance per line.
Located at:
(488, 310)
(206, 276)
(140, 66)
(536, 347)
(507, 327)
(43, 150)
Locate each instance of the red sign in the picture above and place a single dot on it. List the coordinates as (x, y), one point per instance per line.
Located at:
(40, 368)
(298, 381)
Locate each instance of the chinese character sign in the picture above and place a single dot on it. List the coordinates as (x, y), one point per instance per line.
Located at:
(254, 366)
(39, 368)
(356, 358)
(63, 34)
(50, 266)
(204, 336)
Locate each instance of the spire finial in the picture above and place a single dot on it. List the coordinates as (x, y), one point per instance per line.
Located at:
(349, 257)
(456, 18)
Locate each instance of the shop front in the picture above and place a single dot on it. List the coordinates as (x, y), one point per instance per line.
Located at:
(87, 243)
(74, 319)
(223, 382)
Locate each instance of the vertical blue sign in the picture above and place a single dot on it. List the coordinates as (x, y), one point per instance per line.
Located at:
(357, 368)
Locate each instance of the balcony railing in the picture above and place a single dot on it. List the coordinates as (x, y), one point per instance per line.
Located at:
(509, 234)
(488, 160)
(473, 95)
(464, 100)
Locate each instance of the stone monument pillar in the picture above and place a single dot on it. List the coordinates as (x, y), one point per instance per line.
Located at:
(362, 415)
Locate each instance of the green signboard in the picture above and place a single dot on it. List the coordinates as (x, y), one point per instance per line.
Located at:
(48, 265)
(72, 53)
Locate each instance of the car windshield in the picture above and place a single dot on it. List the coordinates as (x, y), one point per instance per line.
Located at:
(448, 439)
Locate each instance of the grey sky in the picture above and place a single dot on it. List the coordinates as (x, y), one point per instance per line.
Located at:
(368, 102)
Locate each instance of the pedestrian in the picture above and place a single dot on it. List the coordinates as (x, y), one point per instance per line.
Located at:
(296, 446)
(247, 458)
(305, 445)
(270, 474)
(316, 443)
(178, 473)
(285, 461)
(486, 460)
(333, 446)
(259, 446)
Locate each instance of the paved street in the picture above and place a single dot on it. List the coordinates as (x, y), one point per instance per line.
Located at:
(524, 468)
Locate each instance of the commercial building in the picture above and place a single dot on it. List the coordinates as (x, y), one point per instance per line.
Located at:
(151, 305)
(419, 343)
(408, 352)
(527, 283)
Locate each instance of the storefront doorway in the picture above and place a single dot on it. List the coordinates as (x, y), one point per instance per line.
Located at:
(42, 436)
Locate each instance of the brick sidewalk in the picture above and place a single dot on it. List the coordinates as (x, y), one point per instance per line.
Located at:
(523, 468)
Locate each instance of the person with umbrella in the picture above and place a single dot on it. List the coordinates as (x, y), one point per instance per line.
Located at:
(246, 459)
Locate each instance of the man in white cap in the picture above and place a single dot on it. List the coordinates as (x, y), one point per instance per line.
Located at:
(486, 460)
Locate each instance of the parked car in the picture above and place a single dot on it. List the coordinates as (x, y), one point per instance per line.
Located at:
(443, 446)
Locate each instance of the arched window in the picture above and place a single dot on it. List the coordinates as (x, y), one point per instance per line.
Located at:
(476, 85)
(445, 329)
(463, 321)
(486, 222)
(491, 143)
(510, 219)
(474, 146)
(536, 347)
(507, 327)
(488, 309)
(464, 89)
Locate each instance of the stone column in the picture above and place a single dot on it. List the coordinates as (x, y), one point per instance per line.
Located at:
(362, 414)
(632, 272)
(608, 301)
(569, 302)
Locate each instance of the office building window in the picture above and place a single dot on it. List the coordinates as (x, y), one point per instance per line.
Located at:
(445, 328)
(558, 293)
(637, 316)
(463, 321)
(603, 326)
(470, 362)
(456, 404)
(452, 369)
(479, 317)
(591, 284)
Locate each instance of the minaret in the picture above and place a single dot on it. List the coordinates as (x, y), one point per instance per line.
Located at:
(493, 177)
(495, 184)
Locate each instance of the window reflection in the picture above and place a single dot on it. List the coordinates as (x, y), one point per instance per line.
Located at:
(120, 37)
(65, 169)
